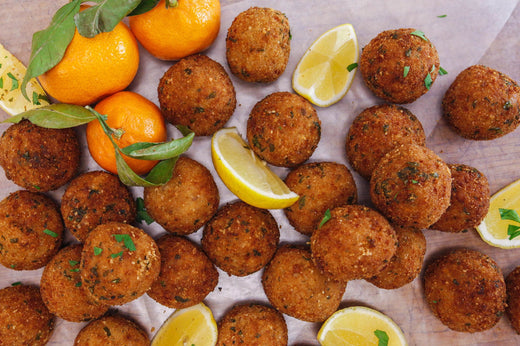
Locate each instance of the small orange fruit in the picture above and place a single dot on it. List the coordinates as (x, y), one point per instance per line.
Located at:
(176, 32)
(93, 68)
(139, 120)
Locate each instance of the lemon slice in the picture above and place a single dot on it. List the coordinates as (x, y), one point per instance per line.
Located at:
(322, 76)
(358, 325)
(245, 174)
(12, 72)
(190, 326)
(493, 228)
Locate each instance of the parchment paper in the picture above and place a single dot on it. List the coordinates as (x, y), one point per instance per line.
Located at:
(471, 32)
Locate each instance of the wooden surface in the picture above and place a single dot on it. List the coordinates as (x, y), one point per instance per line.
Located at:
(499, 159)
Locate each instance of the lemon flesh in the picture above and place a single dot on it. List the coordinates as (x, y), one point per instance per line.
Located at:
(245, 174)
(12, 72)
(190, 326)
(322, 75)
(357, 325)
(493, 229)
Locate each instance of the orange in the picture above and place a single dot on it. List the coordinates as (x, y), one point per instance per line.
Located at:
(93, 68)
(139, 119)
(176, 32)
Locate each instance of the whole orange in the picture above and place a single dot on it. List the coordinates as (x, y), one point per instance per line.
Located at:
(93, 68)
(176, 32)
(139, 119)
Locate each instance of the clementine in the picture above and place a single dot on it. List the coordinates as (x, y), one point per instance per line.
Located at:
(138, 119)
(93, 68)
(175, 32)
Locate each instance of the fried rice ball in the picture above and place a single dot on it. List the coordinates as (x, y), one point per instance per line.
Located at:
(399, 65)
(513, 298)
(240, 239)
(376, 131)
(482, 104)
(469, 202)
(62, 290)
(258, 44)
(411, 186)
(187, 201)
(197, 92)
(119, 263)
(37, 158)
(283, 129)
(187, 274)
(94, 198)
(112, 330)
(31, 230)
(253, 325)
(465, 290)
(321, 186)
(25, 318)
(407, 262)
(296, 287)
(355, 243)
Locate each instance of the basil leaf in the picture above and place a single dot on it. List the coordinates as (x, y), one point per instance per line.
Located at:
(104, 16)
(49, 45)
(509, 214)
(55, 116)
(143, 7)
(160, 151)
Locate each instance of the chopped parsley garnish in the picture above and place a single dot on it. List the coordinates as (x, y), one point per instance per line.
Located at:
(142, 214)
(406, 69)
(78, 284)
(73, 263)
(382, 336)
(51, 233)
(442, 71)
(17, 283)
(428, 81)
(513, 231)
(119, 254)
(127, 240)
(352, 66)
(442, 16)
(326, 217)
(97, 251)
(420, 34)
(14, 80)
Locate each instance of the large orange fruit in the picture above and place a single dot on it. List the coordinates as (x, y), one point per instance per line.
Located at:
(93, 68)
(176, 32)
(139, 119)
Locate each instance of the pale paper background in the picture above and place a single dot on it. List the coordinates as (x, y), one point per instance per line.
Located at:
(472, 32)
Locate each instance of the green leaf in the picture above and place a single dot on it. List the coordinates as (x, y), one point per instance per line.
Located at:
(382, 336)
(142, 213)
(420, 34)
(513, 231)
(326, 218)
(97, 251)
(352, 66)
(159, 151)
(406, 69)
(49, 45)
(162, 172)
(55, 116)
(143, 7)
(127, 240)
(104, 16)
(442, 71)
(51, 233)
(509, 214)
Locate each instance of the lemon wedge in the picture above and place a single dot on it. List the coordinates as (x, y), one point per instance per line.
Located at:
(494, 228)
(326, 70)
(358, 325)
(190, 326)
(245, 174)
(12, 72)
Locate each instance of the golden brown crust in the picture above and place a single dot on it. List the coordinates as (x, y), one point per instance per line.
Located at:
(197, 92)
(62, 290)
(241, 239)
(469, 202)
(407, 262)
(31, 230)
(39, 159)
(283, 129)
(253, 325)
(465, 289)
(513, 298)
(376, 131)
(94, 198)
(482, 103)
(355, 243)
(258, 44)
(25, 320)
(119, 263)
(187, 201)
(296, 287)
(411, 186)
(187, 275)
(112, 330)
(396, 64)
(321, 186)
